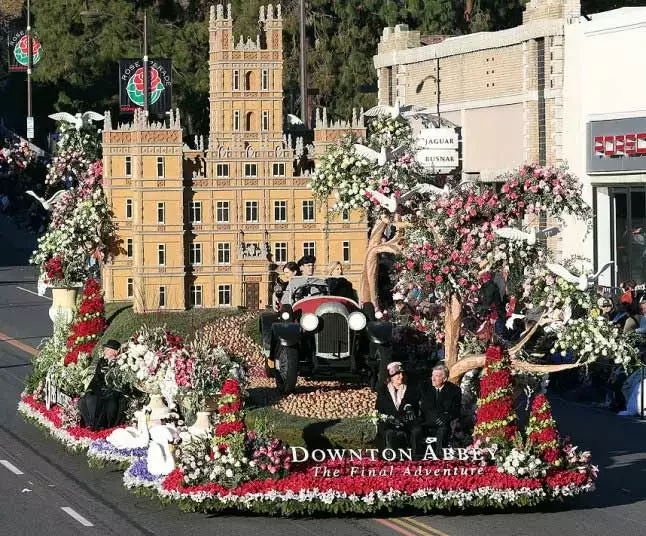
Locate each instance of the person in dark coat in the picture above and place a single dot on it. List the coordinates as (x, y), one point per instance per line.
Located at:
(440, 404)
(398, 401)
(103, 407)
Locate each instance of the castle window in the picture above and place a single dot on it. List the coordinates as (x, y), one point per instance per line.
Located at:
(247, 80)
(280, 211)
(129, 248)
(196, 211)
(224, 294)
(346, 251)
(309, 248)
(195, 254)
(196, 295)
(128, 170)
(161, 212)
(308, 210)
(265, 120)
(346, 215)
(160, 167)
(251, 170)
(129, 288)
(265, 79)
(249, 121)
(280, 252)
(222, 170)
(236, 119)
(236, 79)
(128, 209)
(161, 254)
(162, 297)
(278, 170)
(251, 211)
(222, 212)
(224, 253)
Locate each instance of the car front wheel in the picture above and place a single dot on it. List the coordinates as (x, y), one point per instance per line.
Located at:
(286, 369)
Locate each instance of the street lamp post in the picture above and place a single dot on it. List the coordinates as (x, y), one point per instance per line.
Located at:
(30, 118)
(146, 88)
(303, 66)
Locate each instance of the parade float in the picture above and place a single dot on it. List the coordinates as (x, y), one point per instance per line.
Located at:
(187, 437)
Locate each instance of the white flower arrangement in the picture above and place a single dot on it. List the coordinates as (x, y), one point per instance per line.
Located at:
(521, 463)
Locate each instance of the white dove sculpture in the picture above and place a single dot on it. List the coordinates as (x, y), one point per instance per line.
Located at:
(49, 203)
(405, 111)
(160, 459)
(391, 203)
(131, 437)
(379, 157)
(531, 237)
(79, 120)
(293, 120)
(583, 281)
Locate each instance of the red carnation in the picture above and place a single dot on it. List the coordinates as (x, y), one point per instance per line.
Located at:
(231, 387)
(86, 332)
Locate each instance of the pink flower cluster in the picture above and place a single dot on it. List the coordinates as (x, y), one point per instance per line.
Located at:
(273, 458)
(184, 371)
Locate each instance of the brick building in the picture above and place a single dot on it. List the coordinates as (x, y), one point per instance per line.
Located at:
(207, 226)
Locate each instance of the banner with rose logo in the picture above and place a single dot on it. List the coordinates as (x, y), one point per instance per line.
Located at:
(131, 85)
(18, 48)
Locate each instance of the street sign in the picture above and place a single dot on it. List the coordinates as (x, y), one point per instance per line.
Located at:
(30, 128)
(438, 161)
(438, 138)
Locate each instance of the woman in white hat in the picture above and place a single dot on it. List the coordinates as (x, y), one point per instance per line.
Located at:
(399, 403)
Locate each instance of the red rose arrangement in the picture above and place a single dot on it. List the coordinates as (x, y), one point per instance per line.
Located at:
(496, 416)
(542, 433)
(89, 324)
(54, 270)
(230, 413)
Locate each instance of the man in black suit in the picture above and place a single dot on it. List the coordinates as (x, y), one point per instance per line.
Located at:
(398, 402)
(440, 404)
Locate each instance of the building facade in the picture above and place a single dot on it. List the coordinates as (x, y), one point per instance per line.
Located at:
(208, 226)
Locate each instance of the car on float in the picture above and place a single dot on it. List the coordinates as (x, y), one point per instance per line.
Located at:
(325, 336)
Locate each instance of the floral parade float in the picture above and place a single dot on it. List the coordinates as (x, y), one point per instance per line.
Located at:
(188, 441)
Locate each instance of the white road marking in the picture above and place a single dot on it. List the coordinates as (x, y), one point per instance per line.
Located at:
(34, 293)
(73, 513)
(11, 467)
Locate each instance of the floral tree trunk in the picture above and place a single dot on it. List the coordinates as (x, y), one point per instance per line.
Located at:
(452, 323)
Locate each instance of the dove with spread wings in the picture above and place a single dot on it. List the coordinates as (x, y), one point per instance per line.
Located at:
(79, 120)
(48, 204)
(531, 237)
(406, 111)
(393, 202)
(583, 281)
(381, 157)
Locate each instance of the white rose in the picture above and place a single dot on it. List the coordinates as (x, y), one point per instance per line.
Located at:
(228, 473)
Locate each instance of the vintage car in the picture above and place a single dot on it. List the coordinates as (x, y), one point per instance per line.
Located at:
(325, 336)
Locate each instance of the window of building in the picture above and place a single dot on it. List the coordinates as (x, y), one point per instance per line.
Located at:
(346, 215)
(280, 211)
(309, 248)
(161, 212)
(265, 79)
(249, 121)
(280, 252)
(128, 209)
(224, 294)
(162, 296)
(130, 291)
(222, 170)
(265, 120)
(195, 254)
(236, 119)
(308, 210)
(278, 170)
(160, 167)
(346, 251)
(128, 170)
(251, 170)
(161, 254)
(129, 247)
(251, 211)
(247, 80)
(224, 253)
(236, 79)
(196, 295)
(196, 211)
(222, 212)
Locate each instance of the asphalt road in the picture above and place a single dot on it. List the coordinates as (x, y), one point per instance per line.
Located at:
(56, 493)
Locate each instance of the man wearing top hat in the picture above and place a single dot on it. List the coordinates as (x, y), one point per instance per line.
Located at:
(304, 285)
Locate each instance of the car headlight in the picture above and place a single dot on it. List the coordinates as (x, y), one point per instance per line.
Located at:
(357, 321)
(285, 315)
(309, 322)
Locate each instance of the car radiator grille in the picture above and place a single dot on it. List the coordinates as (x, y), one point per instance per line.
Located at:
(333, 337)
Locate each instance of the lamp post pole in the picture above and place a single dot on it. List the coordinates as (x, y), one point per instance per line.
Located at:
(146, 88)
(30, 119)
(304, 114)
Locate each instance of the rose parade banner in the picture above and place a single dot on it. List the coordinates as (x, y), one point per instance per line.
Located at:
(18, 48)
(131, 85)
